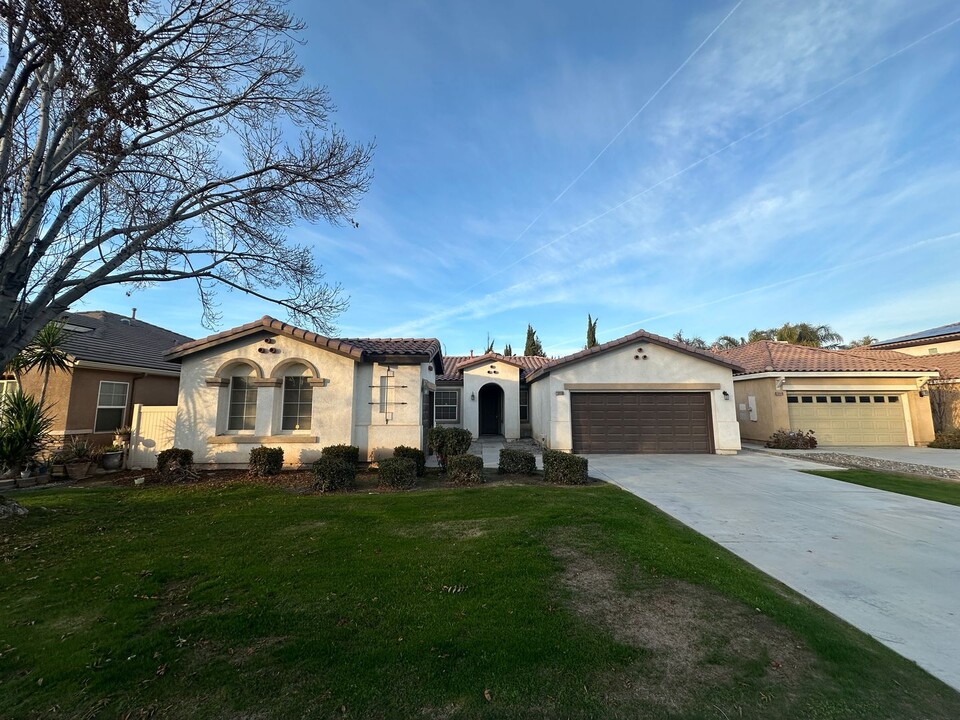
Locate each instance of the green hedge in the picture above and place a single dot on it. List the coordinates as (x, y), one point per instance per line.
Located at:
(332, 474)
(347, 453)
(465, 469)
(517, 462)
(399, 473)
(947, 440)
(447, 442)
(564, 468)
(265, 461)
(413, 454)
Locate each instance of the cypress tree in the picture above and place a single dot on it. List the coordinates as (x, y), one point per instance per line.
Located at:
(533, 346)
(591, 332)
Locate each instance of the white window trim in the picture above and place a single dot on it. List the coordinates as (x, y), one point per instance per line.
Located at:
(455, 406)
(281, 388)
(238, 431)
(123, 408)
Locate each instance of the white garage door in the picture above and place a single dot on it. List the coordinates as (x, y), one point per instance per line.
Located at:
(849, 419)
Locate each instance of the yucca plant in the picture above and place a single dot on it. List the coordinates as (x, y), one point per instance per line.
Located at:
(24, 430)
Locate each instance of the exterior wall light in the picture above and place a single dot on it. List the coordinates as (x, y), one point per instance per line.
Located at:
(473, 396)
(726, 395)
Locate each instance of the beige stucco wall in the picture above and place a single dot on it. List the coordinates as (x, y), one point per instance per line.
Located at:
(502, 374)
(342, 410)
(772, 411)
(664, 369)
(940, 347)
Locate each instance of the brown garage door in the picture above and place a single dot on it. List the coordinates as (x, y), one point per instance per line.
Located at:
(641, 422)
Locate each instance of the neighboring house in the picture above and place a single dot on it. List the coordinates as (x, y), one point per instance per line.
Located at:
(935, 341)
(270, 383)
(116, 362)
(854, 397)
(273, 384)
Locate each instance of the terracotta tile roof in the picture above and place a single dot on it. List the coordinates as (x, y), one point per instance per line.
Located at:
(773, 356)
(638, 336)
(950, 331)
(359, 348)
(947, 363)
(454, 365)
(106, 337)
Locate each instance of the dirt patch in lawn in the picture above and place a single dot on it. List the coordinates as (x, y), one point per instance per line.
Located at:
(694, 641)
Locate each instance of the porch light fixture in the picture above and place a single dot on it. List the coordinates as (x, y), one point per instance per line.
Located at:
(726, 395)
(473, 396)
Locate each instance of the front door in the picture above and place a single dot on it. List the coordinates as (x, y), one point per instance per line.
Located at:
(491, 409)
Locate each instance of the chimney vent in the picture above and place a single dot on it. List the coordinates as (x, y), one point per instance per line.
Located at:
(133, 315)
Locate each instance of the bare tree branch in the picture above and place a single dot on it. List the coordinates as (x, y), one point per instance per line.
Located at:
(158, 141)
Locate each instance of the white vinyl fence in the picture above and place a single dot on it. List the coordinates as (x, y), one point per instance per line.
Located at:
(150, 432)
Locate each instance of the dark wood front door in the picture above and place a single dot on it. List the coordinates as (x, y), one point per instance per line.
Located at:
(490, 402)
(668, 422)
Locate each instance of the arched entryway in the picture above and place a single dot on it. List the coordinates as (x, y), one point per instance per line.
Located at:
(490, 401)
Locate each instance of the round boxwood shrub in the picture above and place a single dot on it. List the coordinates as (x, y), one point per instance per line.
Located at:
(447, 442)
(265, 461)
(947, 440)
(347, 453)
(332, 474)
(180, 457)
(414, 454)
(563, 468)
(399, 473)
(517, 462)
(465, 469)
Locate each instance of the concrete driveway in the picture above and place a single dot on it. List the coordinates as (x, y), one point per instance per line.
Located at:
(933, 457)
(886, 563)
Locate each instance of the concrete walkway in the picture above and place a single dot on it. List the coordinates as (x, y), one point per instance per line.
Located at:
(886, 563)
(489, 446)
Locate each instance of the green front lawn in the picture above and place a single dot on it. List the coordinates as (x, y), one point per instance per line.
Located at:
(945, 491)
(495, 602)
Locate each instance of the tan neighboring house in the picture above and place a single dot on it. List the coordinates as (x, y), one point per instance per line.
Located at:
(857, 397)
(935, 341)
(116, 362)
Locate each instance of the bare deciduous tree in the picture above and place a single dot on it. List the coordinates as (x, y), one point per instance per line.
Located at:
(147, 142)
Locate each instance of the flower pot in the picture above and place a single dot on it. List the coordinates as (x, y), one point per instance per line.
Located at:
(25, 473)
(78, 470)
(112, 460)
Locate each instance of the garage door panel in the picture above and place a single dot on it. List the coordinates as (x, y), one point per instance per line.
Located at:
(641, 422)
(865, 421)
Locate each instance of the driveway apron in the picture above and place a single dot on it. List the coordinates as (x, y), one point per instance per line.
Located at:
(888, 564)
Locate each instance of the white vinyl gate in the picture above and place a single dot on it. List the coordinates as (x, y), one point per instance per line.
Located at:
(150, 432)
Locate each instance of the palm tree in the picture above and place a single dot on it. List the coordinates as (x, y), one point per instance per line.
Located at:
(725, 342)
(46, 353)
(808, 335)
(695, 341)
(865, 341)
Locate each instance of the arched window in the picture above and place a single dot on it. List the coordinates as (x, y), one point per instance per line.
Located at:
(242, 413)
(297, 399)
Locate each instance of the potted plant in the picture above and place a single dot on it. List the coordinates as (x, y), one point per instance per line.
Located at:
(80, 456)
(121, 436)
(112, 457)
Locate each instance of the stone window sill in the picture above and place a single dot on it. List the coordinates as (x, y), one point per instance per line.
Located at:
(260, 439)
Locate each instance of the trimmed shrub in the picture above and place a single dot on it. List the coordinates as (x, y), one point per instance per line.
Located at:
(563, 468)
(332, 474)
(947, 440)
(517, 462)
(181, 457)
(414, 454)
(792, 440)
(465, 469)
(399, 473)
(265, 461)
(347, 453)
(447, 442)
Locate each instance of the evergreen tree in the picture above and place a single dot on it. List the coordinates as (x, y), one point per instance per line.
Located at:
(533, 346)
(490, 342)
(507, 350)
(591, 332)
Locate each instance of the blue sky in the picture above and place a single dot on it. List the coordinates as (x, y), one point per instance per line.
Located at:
(804, 165)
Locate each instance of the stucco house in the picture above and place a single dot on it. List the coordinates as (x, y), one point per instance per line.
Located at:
(271, 383)
(116, 362)
(935, 341)
(857, 397)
